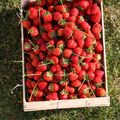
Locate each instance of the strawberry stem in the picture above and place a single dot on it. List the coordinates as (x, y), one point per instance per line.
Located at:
(91, 88)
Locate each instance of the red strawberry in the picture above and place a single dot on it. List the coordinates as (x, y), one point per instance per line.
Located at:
(100, 92)
(74, 59)
(37, 75)
(53, 87)
(80, 19)
(47, 27)
(43, 47)
(71, 19)
(52, 34)
(66, 15)
(41, 2)
(81, 74)
(76, 68)
(42, 12)
(27, 46)
(71, 43)
(28, 66)
(97, 81)
(60, 44)
(78, 34)
(47, 17)
(68, 32)
(56, 52)
(57, 16)
(74, 12)
(76, 83)
(41, 56)
(33, 84)
(89, 57)
(41, 67)
(54, 59)
(42, 85)
(38, 93)
(84, 90)
(89, 42)
(72, 96)
(80, 43)
(60, 32)
(96, 18)
(45, 36)
(85, 66)
(85, 26)
(48, 76)
(60, 8)
(36, 49)
(67, 53)
(98, 47)
(77, 51)
(33, 31)
(95, 9)
(26, 24)
(28, 83)
(96, 57)
(83, 4)
(59, 75)
(99, 73)
(32, 13)
(52, 96)
(62, 22)
(51, 8)
(98, 65)
(71, 25)
(64, 62)
(30, 73)
(37, 21)
(53, 69)
(70, 89)
(92, 67)
(91, 75)
(64, 83)
(49, 2)
(72, 76)
(63, 95)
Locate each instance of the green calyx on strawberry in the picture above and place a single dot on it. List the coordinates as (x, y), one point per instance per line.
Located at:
(48, 76)
(53, 87)
(63, 94)
(62, 22)
(64, 62)
(52, 34)
(27, 46)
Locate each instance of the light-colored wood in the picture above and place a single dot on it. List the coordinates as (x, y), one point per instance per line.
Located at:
(60, 104)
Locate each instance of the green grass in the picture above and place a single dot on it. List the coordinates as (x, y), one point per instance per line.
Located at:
(10, 73)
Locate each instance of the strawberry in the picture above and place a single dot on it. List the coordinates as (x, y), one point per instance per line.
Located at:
(56, 52)
(70, 89)
(81, 74)
(42, 85)
(71, 25)
(33, 84)
(30, 73)
(100, 92)
(26, 24)
(71, 43)
(74, 12)
(37, 75)
(59, 75)
(27, 46)
(76, 68)
(99, 73)
(95, 9)
(72, 76)
(74, 59)
(98, 65)
(41, 67)
(83, 96)
(71, 19)
(41, 56)
(47, 17)
(53, 69)
(92, 67)
(60, 8)
(78, 34)
(63, 95)
(51, 8)
(42, 12)
(85, 26)
(91, 75)
(57, 16)
(41, 2)
(60, 44)
(80, 19)
(64, 62)
(84, 90)
(33, 31)
(45, 36)
(98, 47)
(80, 43)
(47, 27)
(67, 53)
(38, 93)
(62, 22)
(97, 81)
(68, 32)
(53, 87)
(85, 66)
(60, 32)
(96, 57)
(66, 15)
(63, 83)
(28, 66)
(52, 96)
(77, 51)
(96, 30)
(36, 50)
(54, 59)
(96, 18)
(28, 83)
(43, 47)
(37, 22)
(72, 96)
(83, 4)
(76, 83)
(89, 57)
(32, 13)
(48, 76)
(49, 2)
(52, 34)
(89, 42)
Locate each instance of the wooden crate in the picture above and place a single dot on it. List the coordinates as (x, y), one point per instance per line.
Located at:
(71, 103)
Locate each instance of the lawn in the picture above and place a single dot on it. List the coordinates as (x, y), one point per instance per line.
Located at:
(10, 72)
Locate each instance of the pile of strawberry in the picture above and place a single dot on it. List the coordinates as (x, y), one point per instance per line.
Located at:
(63, 50)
